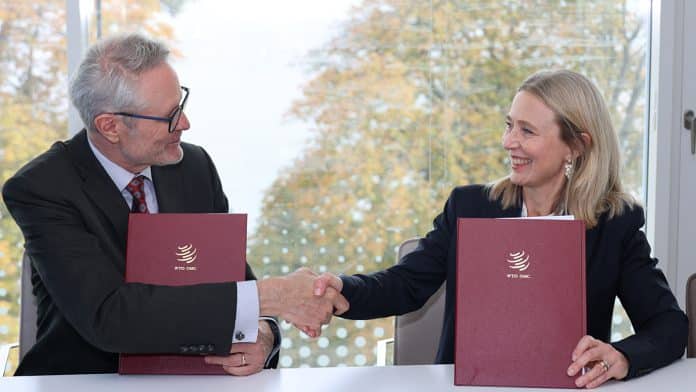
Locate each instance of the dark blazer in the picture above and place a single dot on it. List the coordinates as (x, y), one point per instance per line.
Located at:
(618, 264)
(74, 222)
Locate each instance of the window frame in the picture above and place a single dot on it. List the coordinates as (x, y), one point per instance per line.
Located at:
(666, 82)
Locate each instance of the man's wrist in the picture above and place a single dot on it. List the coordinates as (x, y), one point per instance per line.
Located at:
(268, 296)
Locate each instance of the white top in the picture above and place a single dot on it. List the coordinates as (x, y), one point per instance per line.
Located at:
(523, 214)
(246, 318)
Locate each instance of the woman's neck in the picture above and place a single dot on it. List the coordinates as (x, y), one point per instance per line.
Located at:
(540, 202)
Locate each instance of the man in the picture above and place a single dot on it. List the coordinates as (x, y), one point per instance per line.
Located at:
(72, 204)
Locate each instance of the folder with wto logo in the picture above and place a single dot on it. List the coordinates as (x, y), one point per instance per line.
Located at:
(178, 250)
(520, 304)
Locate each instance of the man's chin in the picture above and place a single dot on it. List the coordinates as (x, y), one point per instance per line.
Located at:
(172, 158)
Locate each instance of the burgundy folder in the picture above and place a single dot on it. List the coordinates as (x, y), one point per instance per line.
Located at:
(520, 301)
(177, 250)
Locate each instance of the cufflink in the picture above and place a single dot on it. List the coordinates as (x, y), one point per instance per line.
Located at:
(239, 335)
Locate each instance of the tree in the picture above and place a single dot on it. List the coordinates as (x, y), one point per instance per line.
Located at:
(405, 103)
(33, 105)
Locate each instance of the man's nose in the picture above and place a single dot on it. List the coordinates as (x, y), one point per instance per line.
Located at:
(184, 123)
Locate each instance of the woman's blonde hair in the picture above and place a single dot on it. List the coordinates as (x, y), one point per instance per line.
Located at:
(595, 184)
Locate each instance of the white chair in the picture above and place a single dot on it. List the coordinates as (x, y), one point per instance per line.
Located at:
(5, 350)
(416, 334)
(27, 318)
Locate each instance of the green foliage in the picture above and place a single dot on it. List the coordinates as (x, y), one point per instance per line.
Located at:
(32, 114)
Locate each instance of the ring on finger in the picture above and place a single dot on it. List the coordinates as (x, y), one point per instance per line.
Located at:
(605, 365)
(243, 360)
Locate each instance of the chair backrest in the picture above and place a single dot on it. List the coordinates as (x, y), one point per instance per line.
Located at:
(27, 311)
(417, 334)
(691, 312)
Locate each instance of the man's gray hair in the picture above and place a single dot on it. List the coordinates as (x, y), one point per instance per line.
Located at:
(106, 80)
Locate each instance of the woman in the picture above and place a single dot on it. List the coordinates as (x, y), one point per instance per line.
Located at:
(564, 159)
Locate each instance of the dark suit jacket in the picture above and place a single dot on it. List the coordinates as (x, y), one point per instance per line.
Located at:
(618, 264)
(74, 222)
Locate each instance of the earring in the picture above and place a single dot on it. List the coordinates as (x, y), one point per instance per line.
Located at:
(569, 169)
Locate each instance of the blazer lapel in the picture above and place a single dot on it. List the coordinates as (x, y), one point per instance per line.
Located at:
(591, 238)
(513, 212)
(495, 210)
(169, 188)
(98, 186)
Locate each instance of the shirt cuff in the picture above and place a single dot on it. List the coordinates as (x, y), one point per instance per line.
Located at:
(246, 320)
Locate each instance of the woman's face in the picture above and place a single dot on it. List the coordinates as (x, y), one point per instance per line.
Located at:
(533, 141)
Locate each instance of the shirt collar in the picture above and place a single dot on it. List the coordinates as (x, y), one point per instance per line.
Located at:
(120, 176)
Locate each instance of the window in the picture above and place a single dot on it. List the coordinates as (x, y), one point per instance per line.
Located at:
(399, 102)
(33, 114)
(339, 126)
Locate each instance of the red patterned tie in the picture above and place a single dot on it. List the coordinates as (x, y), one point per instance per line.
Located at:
(137, 190)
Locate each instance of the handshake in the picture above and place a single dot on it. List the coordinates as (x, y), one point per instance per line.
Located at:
(303, 298)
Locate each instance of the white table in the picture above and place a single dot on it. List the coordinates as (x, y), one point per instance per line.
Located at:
(680, 376)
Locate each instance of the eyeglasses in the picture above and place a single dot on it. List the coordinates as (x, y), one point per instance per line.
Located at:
(173, 120)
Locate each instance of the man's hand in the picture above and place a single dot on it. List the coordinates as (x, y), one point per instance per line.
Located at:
(292, 297)
(247, 358)
(323, 283)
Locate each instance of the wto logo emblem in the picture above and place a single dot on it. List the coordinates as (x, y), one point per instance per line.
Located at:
(186, 254)
(518, 261)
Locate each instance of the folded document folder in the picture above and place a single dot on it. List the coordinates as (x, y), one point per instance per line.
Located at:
(178, 250)
(520, 305)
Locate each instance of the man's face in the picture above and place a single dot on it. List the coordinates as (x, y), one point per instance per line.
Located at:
(148, 142)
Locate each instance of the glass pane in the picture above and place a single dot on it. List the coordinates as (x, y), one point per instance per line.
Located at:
(357, 117)
(341, 127)
(151, 17)
(33, 114)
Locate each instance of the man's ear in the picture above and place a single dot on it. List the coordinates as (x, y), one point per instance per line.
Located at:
(107, 125)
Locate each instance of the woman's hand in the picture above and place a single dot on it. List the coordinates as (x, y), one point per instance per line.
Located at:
(601, 361)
